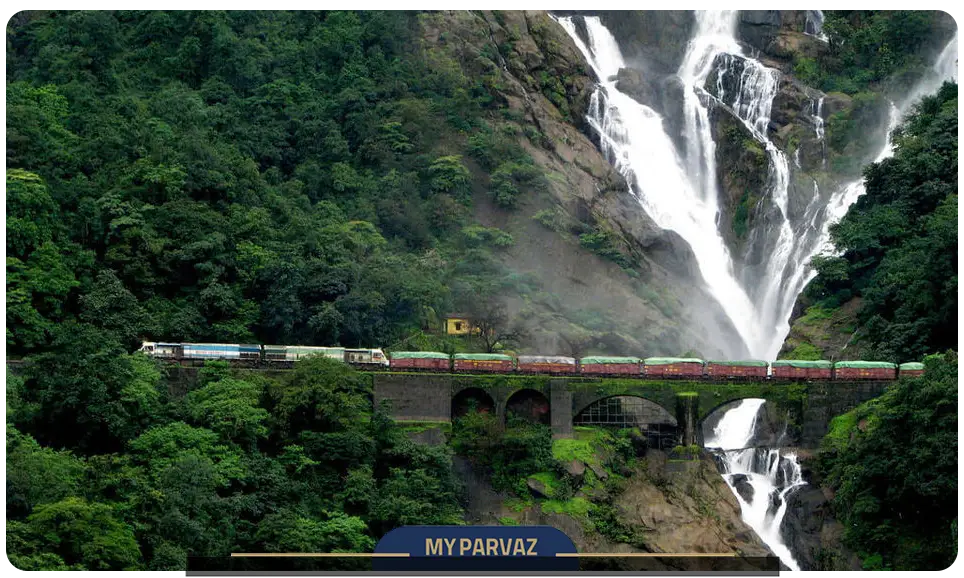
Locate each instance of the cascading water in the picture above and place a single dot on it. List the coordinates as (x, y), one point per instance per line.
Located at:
(944, 69)
(680, 193)
(770, 476)
(714, 49)
(633, 139)
(814, 25)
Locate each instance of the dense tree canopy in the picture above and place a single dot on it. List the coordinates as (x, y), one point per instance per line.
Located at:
(282, 177)
(899, 241)
(892, 464)
(241, 463)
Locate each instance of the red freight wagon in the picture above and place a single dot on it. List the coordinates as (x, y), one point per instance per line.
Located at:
(546, 364)
(599, 365)
(913, 369)
(801, 369)
(729, 369)
(486, 362)
(427, 360)
(672, 367)
(878, 370)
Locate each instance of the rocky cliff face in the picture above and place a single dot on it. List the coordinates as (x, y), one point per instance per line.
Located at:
(656, 304)
(661, 506)
(810, 529)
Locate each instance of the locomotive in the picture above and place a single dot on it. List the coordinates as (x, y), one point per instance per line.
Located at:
(273, 355)
(592, 366)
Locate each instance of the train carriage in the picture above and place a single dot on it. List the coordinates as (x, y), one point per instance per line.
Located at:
(877, 370)
(422, 360)
(486, 362)
(604, 365)
(913, 369)
(292, 353)
(736, 369)
(672, 367)
(801, 369)
(551, 364)
(366, 357)
(210, 351)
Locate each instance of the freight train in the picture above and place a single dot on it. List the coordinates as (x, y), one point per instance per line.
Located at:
(593, 366)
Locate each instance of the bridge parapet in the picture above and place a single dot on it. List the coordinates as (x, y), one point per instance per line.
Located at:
(809, 406)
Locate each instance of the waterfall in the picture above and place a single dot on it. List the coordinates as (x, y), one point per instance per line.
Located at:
(769, 476)
(814, 25)
(944, 69)
(678, 196)
(679, 189)
(714, 49)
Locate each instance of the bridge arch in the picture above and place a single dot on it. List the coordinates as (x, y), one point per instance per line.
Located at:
(529, 404)
(624, 411)
(472, 399)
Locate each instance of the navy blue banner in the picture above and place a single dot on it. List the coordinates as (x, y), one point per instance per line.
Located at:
(475, 548)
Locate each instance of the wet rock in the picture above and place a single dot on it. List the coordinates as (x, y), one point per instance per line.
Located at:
(538, 489)
(599, 471)
(652, 40)
(741, 483)
(576, 469)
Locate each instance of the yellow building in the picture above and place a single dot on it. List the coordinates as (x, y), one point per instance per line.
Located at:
(458, 325)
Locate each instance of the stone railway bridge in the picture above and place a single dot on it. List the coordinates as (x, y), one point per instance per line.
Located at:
(686, 404)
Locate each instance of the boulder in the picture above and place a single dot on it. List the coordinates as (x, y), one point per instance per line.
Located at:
(538, 489)
(576, 469)
(742, 486)
(600, 471)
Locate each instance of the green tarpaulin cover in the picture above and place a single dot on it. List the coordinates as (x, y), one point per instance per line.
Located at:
(801, 363)
(483, 356)
(913, 365)
(866, 364)
(669, 360)
(419, 355)
(609, 360)
(745, 363)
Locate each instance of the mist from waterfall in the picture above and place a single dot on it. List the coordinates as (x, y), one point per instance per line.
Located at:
(679, 188)
(945, 68)
(770, 475)
(677, 196)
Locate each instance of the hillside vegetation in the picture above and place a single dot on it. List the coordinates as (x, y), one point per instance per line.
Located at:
(892, 466)
(898, 249)
(245, 176)
(132, 479)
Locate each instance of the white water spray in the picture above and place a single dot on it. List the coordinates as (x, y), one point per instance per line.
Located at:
(839, 203)
(714, 49)
(771, 476)
(633, 139)
(814, 25)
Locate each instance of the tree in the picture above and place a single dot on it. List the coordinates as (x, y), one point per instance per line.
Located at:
(98, 396)
(38, 475)
(83, 533)
(893, 510)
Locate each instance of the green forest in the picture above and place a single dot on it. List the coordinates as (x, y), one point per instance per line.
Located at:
(280, 177)
(267, 177)
(898, 242)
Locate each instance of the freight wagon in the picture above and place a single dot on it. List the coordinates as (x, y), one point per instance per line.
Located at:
(487, 362)
(672, 367)
(878, 370)
(913, 369)
(602, 365)
(421, 360)
(800, 369)
(551, 364)
(736, 369)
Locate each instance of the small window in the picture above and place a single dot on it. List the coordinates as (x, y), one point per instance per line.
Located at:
(458, 326)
